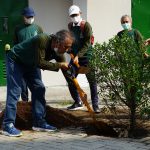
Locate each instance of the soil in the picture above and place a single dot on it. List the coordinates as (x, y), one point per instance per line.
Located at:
(106, 124)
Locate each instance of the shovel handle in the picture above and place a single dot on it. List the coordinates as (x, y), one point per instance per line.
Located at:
(72, 57)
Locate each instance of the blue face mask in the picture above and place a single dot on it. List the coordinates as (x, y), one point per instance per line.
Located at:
(126, 26)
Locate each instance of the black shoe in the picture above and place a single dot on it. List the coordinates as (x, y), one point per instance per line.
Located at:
(96, 109)
(75, 106)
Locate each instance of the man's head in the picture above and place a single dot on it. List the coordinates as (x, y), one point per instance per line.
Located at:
(126, 22)
(62, 41)
(28, 15)
(75, 14)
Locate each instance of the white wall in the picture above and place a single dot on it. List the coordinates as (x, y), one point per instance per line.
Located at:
(51, 15)
(104, 15)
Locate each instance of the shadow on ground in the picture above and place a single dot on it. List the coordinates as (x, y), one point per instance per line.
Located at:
(104, 125)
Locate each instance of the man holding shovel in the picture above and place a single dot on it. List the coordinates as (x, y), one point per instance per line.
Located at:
(22, 61)
(81, 49)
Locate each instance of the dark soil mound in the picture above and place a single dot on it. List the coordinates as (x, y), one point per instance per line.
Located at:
(61, 118)
(106, 124)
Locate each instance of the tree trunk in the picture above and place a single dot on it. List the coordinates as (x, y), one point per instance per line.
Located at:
(132, 112)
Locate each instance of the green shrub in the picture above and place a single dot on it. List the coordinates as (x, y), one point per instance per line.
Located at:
(123, 74)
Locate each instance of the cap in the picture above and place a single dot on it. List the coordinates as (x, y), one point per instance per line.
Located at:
(28, 11)
(74, 10)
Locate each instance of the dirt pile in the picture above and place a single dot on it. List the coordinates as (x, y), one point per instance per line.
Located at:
(61, 118)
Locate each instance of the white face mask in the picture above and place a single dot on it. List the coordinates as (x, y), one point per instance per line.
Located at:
(29, 20)
(126, 26)
(76, 19)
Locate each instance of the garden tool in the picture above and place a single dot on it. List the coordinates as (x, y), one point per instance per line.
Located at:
(73, 67)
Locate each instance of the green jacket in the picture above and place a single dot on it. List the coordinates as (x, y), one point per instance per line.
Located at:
(24, 32)
(133, 33)
(82, 45)
(36, 52)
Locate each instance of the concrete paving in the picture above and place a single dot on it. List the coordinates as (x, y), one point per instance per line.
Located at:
(68, 138)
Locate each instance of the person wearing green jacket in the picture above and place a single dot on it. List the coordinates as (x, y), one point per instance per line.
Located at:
(126, 22)
(24, 31)
(22, 61)
(81, 49)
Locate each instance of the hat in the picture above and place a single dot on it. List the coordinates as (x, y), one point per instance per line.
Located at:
(74, 10)
(28, 11)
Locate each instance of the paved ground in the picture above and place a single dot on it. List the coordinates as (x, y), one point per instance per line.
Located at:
(68, 139)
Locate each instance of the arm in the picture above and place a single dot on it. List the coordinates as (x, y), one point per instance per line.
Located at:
(87, 39)
(45, 64)
(40, 30)
(138, 36)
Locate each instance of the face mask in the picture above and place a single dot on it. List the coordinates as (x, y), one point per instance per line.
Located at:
(76, 19)
(126, 26)
(29, 20)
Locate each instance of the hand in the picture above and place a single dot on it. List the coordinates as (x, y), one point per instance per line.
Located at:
(146, 55)
(76, 60)
(64, 65)
(147, 42)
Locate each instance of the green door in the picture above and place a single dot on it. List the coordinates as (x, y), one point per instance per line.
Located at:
(141, 17)
(10, 16)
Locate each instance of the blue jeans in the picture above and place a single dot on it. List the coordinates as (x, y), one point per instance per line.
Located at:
(15, 73)
(24, 93)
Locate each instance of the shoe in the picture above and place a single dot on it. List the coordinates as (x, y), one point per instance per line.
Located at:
(96, 109)
(10, 130)
(44, 127)
(76, 106)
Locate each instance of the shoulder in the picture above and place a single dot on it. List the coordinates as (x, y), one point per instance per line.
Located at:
(136, 31)
(19, 27)
(43, 37)
(86, 27)
(120, 33)
(86, 24)
(36, 25)
(137, 34)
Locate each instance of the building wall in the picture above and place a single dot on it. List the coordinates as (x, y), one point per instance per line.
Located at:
(52, 15)
(104, 16)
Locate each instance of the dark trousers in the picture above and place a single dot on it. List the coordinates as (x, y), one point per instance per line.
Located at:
(92, 83)
(15, 73)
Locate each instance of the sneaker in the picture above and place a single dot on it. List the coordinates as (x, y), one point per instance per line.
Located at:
(75, 106)
(96, 109)
(44, 127)
(10, 130)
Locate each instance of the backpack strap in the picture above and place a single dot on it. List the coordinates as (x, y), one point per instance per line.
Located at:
(82, 24)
